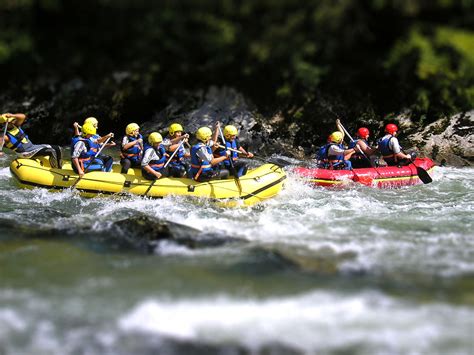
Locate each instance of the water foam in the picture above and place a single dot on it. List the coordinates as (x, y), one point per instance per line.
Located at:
(308, 322)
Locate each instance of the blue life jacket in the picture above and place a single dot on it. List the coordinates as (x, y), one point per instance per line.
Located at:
(18, 140)
(159, 164)
(384, 147)
(178, 157)
(86, 159)
(335, 158)
(135, 152)
(327, 161)
(197, 166)
(233, 155)
(322, 153)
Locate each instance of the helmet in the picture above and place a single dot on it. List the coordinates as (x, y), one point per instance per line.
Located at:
(230, 131)
(336, 137)
(131, 127)
(363, 132)
(204, 134)
(155, 137)
(88, 128)
(391, 128)
(92, 120)
(175, 127)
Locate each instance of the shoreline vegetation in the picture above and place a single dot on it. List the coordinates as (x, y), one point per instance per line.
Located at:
(284, 71)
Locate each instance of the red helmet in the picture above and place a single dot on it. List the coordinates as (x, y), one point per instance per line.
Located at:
(391, 128)
(363, 132)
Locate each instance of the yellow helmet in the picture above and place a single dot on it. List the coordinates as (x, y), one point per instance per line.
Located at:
(175, 127)
(230, 131)
(204, 134)
(336, 137)
(92, 120)
(155, 137)
(131, 127)
(88, 128)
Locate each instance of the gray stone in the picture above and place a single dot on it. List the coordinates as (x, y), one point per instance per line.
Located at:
(448, 140)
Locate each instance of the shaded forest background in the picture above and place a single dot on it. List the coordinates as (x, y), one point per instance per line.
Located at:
(306, 61)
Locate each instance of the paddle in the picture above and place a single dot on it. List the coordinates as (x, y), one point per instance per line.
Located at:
(166, 164)
(92, 160)
(234, 173)
(276, 161)
(356, 177)
(422, 173)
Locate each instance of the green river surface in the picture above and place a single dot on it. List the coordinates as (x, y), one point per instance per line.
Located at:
(312, 271)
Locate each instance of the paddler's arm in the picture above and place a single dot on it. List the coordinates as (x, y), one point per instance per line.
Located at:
(76, 129)
(18, 118)
(216, 132)
(80, 172)
(147, 157)
(247, 154)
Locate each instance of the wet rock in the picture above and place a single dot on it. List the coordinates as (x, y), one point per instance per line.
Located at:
(322, 261)
(205, 107)
(143, 233)
(450, 140)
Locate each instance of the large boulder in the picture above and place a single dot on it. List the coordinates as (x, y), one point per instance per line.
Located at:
(224, 104)
(448, 141)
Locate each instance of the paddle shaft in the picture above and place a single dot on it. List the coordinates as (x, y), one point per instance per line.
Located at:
(92, 160)
(339, 124)
(166, 164)
(174, 153)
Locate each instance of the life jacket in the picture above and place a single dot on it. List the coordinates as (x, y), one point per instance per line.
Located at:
(384, 148)
(322, 153)
(198, 166)
(87, 159)
(135, 152)
(332, 159)
(179, 156)
(357, 154)
(233, 155)
(158, 164)
(18, 140)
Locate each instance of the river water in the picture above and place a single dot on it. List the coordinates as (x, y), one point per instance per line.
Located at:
(355, 271)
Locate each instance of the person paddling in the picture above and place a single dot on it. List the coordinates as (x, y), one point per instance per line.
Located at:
(154, 158)
(204, 166)
(96, 140)
(333, 155)
(361, 145)
(232, 143)
(17, 140)
(132, 148)
(390, 148)
(177, 166)
(84, 151)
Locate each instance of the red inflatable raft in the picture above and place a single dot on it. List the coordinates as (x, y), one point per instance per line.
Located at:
(383, 177)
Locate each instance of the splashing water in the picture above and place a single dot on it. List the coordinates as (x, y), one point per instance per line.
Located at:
(361, 270)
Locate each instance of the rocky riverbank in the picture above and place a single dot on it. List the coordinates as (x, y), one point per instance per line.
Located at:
(448, 140)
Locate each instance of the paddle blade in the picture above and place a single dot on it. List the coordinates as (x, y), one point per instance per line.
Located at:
(423, 175)
(362, 179)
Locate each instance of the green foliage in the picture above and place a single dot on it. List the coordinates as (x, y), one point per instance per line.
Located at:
(366, 58)
(441, 61)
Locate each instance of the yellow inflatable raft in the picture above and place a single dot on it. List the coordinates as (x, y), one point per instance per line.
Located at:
(257, 185)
